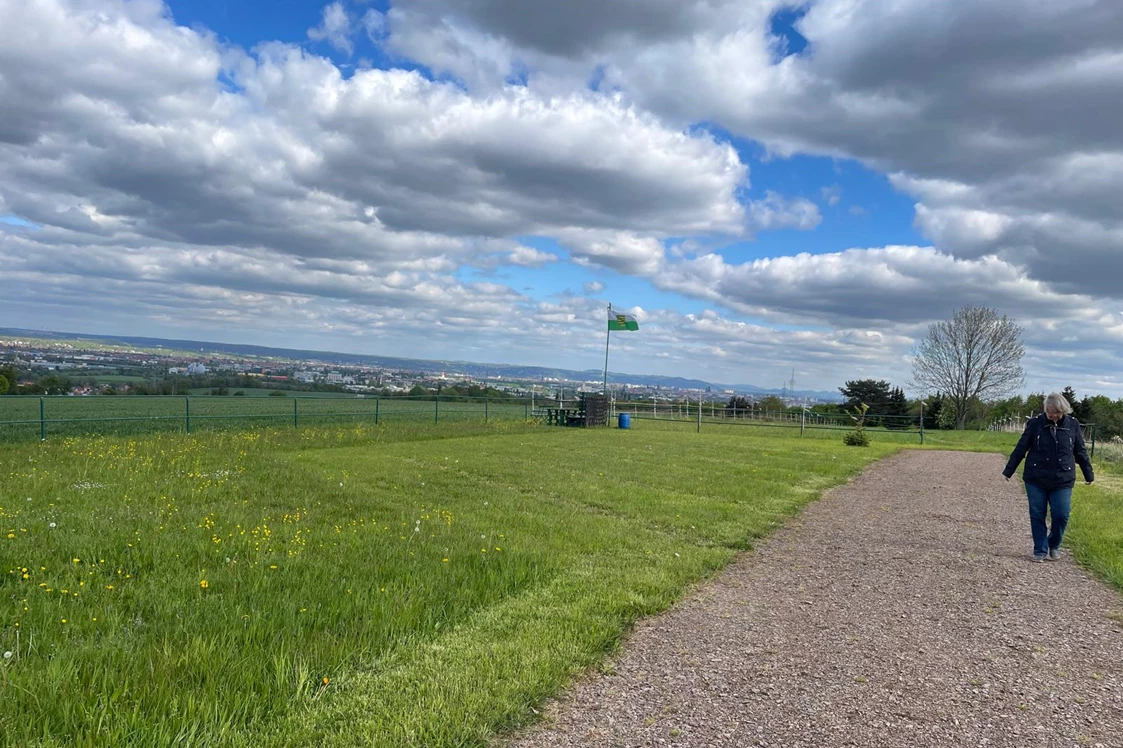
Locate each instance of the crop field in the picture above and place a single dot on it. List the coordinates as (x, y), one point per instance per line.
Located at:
(405, 584)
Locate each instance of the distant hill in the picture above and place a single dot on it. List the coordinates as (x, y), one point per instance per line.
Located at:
(469, 368)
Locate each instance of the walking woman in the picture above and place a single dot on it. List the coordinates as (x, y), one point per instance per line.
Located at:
(1052, 446)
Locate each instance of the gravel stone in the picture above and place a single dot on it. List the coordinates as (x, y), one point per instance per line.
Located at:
(901, 609)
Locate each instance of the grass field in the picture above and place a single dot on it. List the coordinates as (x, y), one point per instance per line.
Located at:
(397, 586)
(133, 416)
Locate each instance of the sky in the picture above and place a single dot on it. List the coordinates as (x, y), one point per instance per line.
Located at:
(767, 186)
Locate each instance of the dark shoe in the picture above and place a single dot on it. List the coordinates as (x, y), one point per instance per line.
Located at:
(1039, 557)
(1054, 554)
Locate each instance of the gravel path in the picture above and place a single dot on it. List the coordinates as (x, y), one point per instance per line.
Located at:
(899, 610)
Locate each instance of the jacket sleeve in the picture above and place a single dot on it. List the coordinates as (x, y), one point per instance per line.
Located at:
(1081, 454)
(1021, 449)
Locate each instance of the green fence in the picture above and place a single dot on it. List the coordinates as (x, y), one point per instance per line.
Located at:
(25, 418)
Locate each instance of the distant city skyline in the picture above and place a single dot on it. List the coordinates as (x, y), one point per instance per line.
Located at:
(764, 186)
(192, 352)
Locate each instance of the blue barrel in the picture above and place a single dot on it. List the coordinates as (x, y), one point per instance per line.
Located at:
(625, 420)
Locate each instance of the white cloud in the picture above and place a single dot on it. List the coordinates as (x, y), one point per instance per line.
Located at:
(162, 178)
(777, 212)
(530, 257)
(335, 28)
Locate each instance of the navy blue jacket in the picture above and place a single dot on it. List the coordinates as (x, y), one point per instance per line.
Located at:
(1052, 453)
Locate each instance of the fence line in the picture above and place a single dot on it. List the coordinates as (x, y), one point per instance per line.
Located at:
(26, 417)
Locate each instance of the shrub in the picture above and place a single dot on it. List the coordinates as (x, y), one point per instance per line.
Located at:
(857, 437)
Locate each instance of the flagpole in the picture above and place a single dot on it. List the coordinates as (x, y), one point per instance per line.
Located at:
(607, 335)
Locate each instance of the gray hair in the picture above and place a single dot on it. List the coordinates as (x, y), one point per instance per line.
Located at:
(1058, 402)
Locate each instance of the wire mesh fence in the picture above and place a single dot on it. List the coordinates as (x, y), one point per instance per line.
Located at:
(32, 417)
(24, 418)
(713, 413)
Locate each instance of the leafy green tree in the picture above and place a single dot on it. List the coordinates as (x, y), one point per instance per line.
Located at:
(896, 410)
(1079, 407)
(1106, 415)
(53, 384)
(8, 374)
(738, 405)
(771, 404)
(873, 392)
(933, 406)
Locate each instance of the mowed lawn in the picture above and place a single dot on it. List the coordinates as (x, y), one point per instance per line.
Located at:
(395, 586)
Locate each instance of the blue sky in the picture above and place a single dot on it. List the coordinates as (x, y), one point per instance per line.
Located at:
(767, 186)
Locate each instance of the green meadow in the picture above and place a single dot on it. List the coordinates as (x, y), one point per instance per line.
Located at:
(391, 585)
(26, 418)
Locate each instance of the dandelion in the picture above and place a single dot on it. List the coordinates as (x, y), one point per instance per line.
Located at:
(64, 620)
(52, 525)
(444, 560)
(204, 584)
(323, 681)
(8, 656)
(77, 560)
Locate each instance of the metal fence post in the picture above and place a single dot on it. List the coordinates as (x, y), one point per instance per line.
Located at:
(42, 421)
(295, 416)
(921, 421)
(187, 412)
(485, 408)
(437, 407)
(377, 400)
(699, 431)
(802, 421)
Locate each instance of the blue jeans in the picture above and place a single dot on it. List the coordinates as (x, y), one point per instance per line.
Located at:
(1059, 503)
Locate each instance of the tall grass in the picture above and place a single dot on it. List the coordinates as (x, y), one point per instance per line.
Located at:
(331, 586)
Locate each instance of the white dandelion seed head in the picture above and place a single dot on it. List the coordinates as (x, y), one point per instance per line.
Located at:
(52, 525)
(7, 655)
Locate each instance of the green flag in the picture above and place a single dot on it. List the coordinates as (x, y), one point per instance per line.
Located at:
(619, 321)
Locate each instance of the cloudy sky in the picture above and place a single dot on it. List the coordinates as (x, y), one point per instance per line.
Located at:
(766, 185)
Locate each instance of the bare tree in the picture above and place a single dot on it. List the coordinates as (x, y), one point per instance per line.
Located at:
(974, 355)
